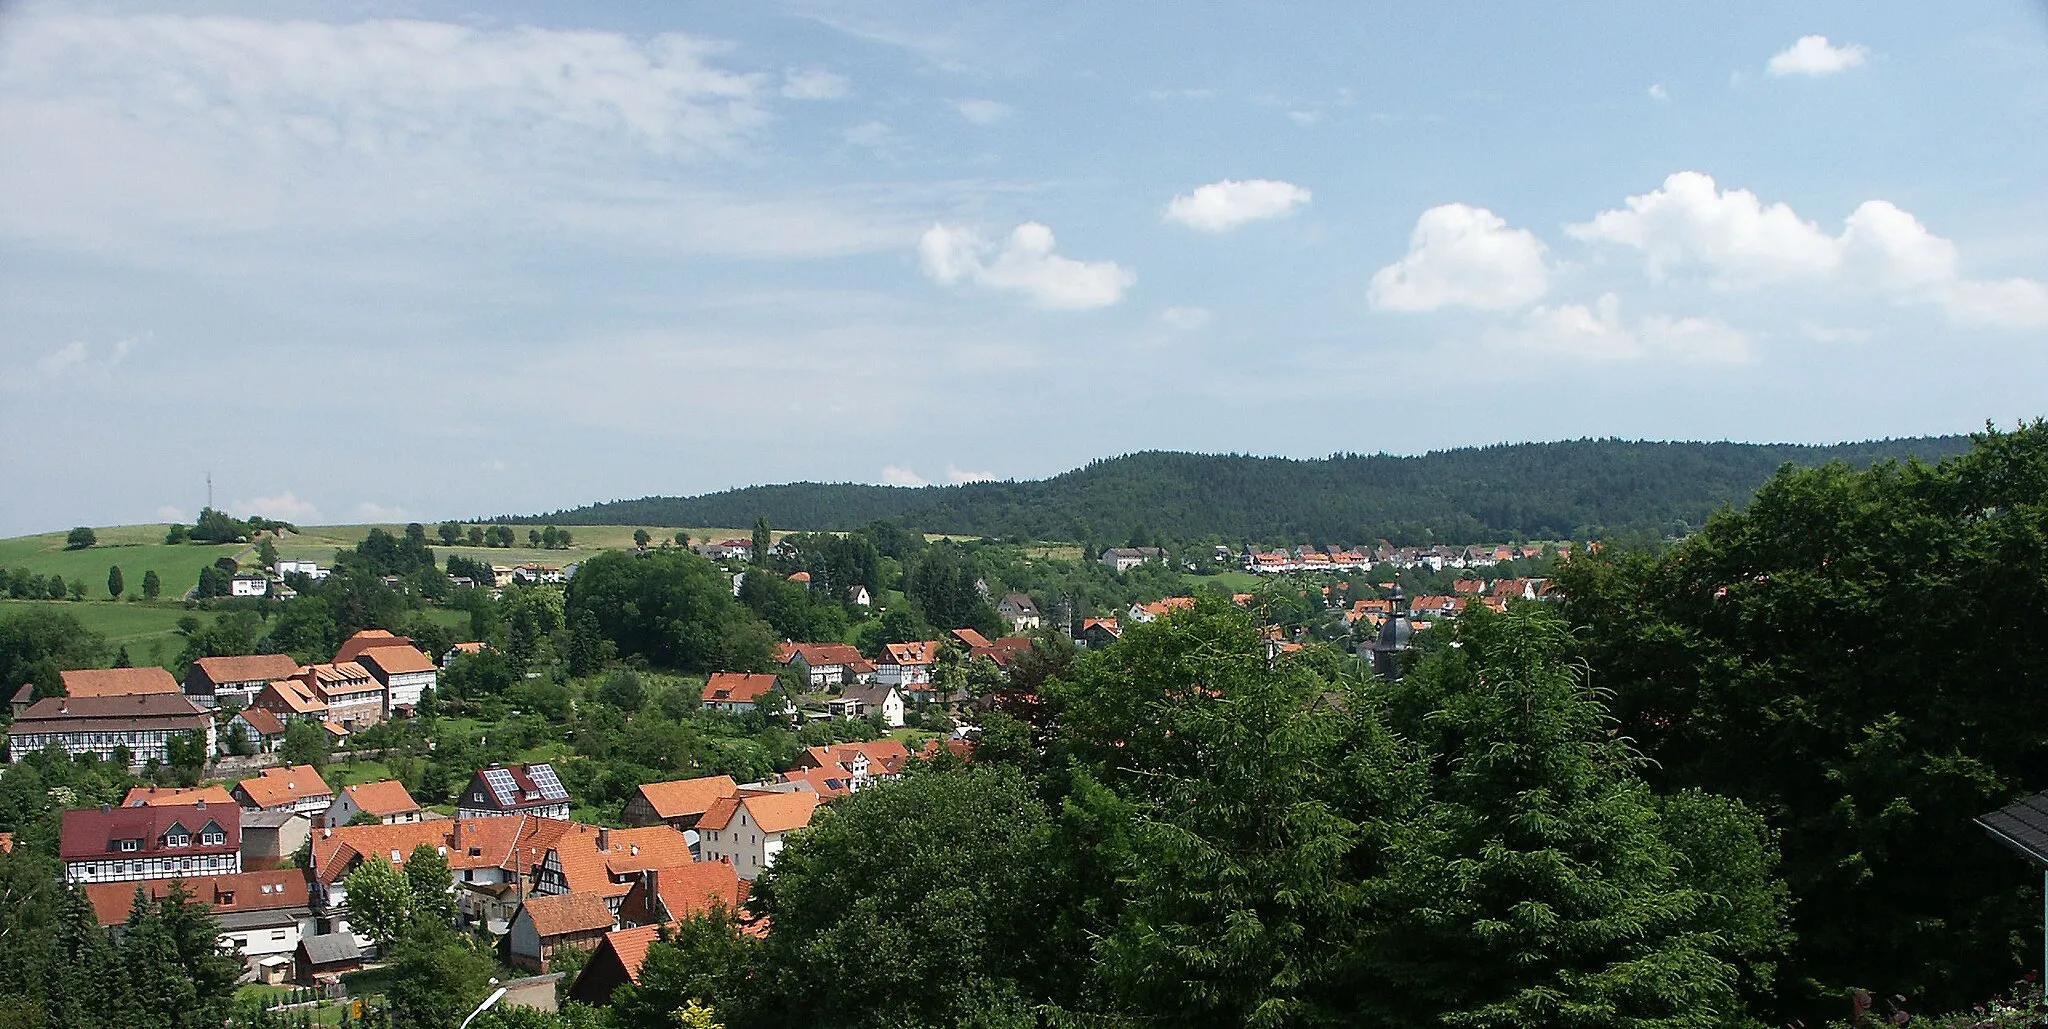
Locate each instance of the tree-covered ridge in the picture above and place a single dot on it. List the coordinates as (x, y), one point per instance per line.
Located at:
(1571, 489)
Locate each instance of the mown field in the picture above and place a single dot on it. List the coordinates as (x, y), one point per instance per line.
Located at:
(319, 542)
(149, 631)
(136, 548)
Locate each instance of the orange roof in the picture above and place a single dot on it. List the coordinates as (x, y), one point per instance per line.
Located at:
(265, 722)
(293, 696)
(397, 660)
(241, 891)
(630, 946)
(815, 654)
(383, 798)
(773, 812)
(919, 652)
(118, 682)
(800, 577)
(252, 668)
(278, 786)
(468, 648)
(151, 796)
(565, 913)
(828, 783)
(338, 679)
(605, 873)
(1242, 599)
(738, 687)
(514, 843)
(696, 888)
(353, 647)
(687, 796)
(887, 756)
(970, 637)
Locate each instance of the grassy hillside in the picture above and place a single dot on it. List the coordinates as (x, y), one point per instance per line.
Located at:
(1561, 490)
(136, 548)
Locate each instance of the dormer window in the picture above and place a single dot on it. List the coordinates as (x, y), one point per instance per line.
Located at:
(130, 846)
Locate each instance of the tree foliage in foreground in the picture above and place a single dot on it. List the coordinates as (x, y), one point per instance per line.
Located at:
(1862, 658)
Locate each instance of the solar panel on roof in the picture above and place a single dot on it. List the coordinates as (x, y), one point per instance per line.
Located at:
(500, 782)
(545, 781)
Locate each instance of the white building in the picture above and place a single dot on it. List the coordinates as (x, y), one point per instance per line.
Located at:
(404, 672)
(747, 831)
(104, 726)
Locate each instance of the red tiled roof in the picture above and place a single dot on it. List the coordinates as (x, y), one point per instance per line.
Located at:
(261, 720)
(102, 714)
(917, 652)
(396, 660)
(383, 798)
(275, 787)
(118, 682)
(970, 637)
(338, 679)
(886, 757)
(687, 796)
(815, 654)
(89, 833)
(273, 890)
(354, 646)
(292, 695)
(252, 668)
(773, 812)
(147, 796)
(566, 913)
(737, 687)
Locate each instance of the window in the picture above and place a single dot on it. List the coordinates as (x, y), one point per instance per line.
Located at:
(130, 846)
(277, 934)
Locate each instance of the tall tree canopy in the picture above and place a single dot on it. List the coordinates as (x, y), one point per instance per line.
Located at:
(672, 607)
(1862, 657)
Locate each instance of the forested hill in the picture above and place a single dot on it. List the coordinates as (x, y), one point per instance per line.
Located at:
(1568, 489)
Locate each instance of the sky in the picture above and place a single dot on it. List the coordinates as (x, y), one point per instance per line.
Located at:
(387, 261)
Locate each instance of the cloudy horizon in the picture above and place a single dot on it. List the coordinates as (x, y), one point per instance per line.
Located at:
(423, 260)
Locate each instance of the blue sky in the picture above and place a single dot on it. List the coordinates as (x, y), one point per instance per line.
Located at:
(421, 260)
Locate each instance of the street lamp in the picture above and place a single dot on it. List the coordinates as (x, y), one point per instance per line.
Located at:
(496, 996)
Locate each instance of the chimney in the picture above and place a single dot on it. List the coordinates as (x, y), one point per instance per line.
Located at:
(200, 804)
(603, 837)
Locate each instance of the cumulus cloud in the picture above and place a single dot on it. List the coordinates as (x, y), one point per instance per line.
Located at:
(171, 514)
(1658, 92)
(812, 85)
(1461, 255)
(1814, 56)
(1597, 332)
(958, 476)
(982, 112)
(370, 512)
(1738, 242)
(893, 475)
(1222, 206)
(1185, 319)
(1025, 264)
(871, 134)
(284, 506)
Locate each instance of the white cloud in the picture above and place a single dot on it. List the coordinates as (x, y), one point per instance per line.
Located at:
(79, 355)
(1185, 319)
(1599, 333)
(813, 85)
(370, 512)
(982, 112)
(1181, 94)
(171, 514)
(1463, 255)
(871, 134)
(1658, 92)
(285, 506)
(958, 477)
(1304, 117)
(1814, 56)
(1225, 205)
(496, 464)
(1024, 264)
(895, 476)
(1738, 242)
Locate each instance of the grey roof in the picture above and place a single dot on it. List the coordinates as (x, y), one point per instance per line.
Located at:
(275, 918)
(2022, 826)
(333, 947)
(873, 693)
(270, 819)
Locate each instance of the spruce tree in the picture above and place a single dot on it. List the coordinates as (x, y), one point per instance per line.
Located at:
(115, 584)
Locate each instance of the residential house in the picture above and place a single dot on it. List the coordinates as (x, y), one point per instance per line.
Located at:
(290, 701)
(907, 664)
(855, 766)
(514, 790)
(460, 649)
(295, 788)
(615, 963)
(158, 796)
(747, 830)
(118, 682)
(546, 925)
(968, 639)
(141, 726)
(492, 860)
(386, 800)
(271, 838)
(1123, 559)
(403, 671)
(1097, 633)
(324, 959)
(353, 696)
(308, 568)
(677, 804)
(1003, 652)
(262, 915)
(248, 584)
(605, 862)
(1152, 612)
(662, 895)
(738, 692)
(260, 728)
(872, 698)
(822, 664)
(168, 841)
(734, 549)
(213, 681)
(366, 639)
(858, 596)
(1020, 611)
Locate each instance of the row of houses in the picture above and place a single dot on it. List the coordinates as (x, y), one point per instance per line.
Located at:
(1331, 558)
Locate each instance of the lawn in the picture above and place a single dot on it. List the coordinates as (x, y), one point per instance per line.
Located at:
(350, 773)
(136, 548)
(149, 631)
(1236, 582)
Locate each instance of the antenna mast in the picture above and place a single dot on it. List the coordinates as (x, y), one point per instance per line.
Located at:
(209, 489)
